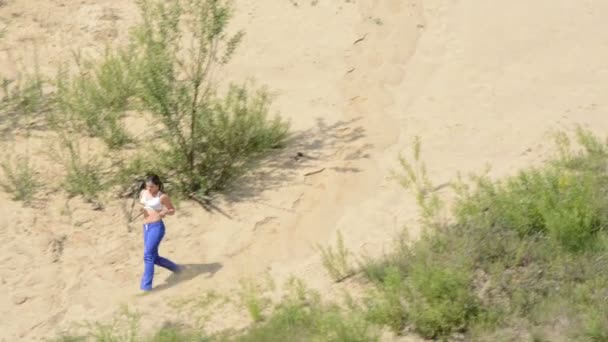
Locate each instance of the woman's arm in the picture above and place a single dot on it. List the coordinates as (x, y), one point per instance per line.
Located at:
(169, 209)
(141, 196)
(142, 209)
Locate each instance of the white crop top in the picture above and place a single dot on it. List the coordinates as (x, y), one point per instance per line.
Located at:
(151, 203)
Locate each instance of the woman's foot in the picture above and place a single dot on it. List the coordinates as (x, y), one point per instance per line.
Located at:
(144, 292)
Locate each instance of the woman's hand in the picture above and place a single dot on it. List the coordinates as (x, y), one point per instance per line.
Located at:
(169, 208)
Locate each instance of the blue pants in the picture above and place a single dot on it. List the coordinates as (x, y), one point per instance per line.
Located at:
(153, 234)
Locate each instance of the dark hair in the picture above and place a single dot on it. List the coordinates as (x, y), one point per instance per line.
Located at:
(154, 179)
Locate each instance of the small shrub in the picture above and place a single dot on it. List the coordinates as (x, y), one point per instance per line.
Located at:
(27, 96)
(84, 176)
(440, 298)
(252, 300)
(83, 179)
(337, 262)
(232, 132)
(374, 269)
(68, 338)
(94, 101)
(386, 305)
(24, 101)
(595, 326)
(414, 177)
(209, 140)
(569, 207)
(176, 334)
(123, 328)
(302, 316)
(129, 171)
(435, 299)
(20, 179)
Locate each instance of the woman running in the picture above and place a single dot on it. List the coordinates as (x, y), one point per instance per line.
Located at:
(157, 205)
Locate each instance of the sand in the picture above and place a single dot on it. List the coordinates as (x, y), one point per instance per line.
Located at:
(481, 82)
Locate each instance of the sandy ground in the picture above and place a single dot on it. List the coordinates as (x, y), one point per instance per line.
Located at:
(481, 82)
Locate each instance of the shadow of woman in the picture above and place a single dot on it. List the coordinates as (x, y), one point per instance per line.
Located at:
(189, 271)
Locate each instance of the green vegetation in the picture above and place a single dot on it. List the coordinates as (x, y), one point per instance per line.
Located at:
(20, 179)
(208, 139)
(337, 262)
(302, 316)
(252, 300)
(522, 254)
(83, 172)
(521, 259)
(26, 96)
(166, 75)
(94, 101)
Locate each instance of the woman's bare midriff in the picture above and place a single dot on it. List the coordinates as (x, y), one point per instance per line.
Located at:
(151, 216)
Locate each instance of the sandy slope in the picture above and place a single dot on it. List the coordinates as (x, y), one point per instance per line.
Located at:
(479, 81)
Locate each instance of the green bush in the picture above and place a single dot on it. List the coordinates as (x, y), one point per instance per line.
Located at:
(252, 300)
(68, 338)
(27, 96)
(24, 102)
(567, 206)
(84, 173)
(209, 139)
(232, 132)
(386, 305)
(94, 100)
(203, 140)
(414, 177)
(337, 262)
(430, 292)
(524, 249)
(176, 334)
(20, 179)
(440, 299)
(302, 316)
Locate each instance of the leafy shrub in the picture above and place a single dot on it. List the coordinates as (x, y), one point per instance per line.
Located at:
(84, 173)
(20, 179)
(517, 248)
(337, 262)
(94, 100)
(209, 139)
(302, 316)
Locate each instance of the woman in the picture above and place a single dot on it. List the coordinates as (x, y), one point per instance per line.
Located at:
(157, 205)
